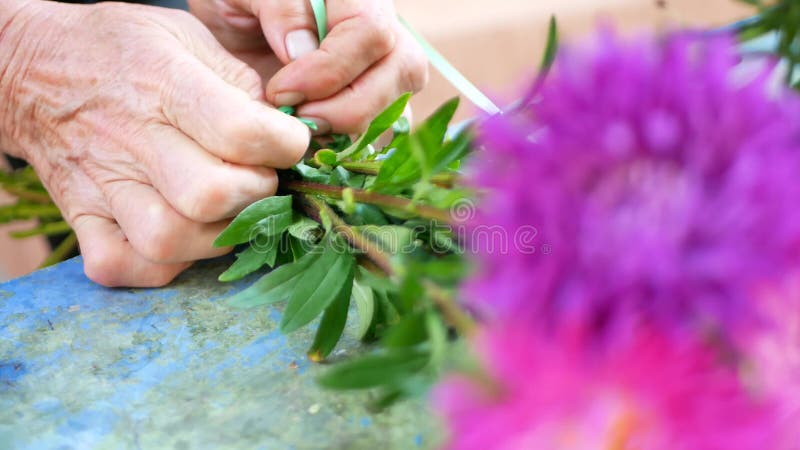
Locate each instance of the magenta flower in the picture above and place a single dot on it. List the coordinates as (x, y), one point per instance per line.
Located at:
(773, 356)
(652, 394)
(649, 182)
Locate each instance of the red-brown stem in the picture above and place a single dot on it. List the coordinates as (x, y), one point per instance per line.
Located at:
(370, 198)
(451, 312)
(446, 180)
(357, 240)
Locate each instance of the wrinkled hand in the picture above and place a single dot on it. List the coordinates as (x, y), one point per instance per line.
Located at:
(146, 132)
(367, 60)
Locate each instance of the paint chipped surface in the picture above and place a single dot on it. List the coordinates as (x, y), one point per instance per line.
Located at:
(171, 368)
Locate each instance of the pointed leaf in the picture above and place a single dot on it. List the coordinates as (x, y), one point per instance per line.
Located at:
(551, 48)
(331, 326)
(375, 370)
(268, 217)
(378, 126)
(417, 151)
(365, 307)
(317, 288)
(408, 332)
(275, 286)
(250, 260)
(304, 228)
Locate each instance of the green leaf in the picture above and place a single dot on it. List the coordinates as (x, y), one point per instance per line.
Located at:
(304, 228)
(299, 247)
(331, 326)
(267, 217)
(451, 152)
(326, 156)
(275, 286)
(552, 46)
(311, 173)
(402, 126)
(381, 369)
(417, 151)
(392, 239)
(364, 299)
(408, 332)
(317, 287)
(250, 260)
(436, 332)
(378, 126)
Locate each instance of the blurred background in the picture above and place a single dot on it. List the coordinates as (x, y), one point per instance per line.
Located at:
(496, 43)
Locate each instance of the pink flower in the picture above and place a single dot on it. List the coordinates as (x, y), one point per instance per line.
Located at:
(650, 394)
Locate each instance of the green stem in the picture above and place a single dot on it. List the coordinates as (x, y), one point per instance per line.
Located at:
(61, 252)
(47, 229)
(25, 194)
(370, 198)
(25, 211)
(372, 168)
(451, 312)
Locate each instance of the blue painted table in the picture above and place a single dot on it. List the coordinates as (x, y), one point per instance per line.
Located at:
(84, 367)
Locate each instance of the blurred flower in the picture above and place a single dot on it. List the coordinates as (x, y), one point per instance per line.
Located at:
(662, 183)
(651, 394)
(773, 356)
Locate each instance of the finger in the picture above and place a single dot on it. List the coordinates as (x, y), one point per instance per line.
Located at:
(110, 260)
(236, 28)
(227, 122)
(351, 110)
(199, 185)
(361, 33)
(289, 27)
(155, 230)
(202, 43)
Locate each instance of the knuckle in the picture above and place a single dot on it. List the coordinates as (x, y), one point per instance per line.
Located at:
(238, 138)
(380, 37)
(159, 243)
(242, 76)
(357, 119)
(102, 265)
(207, 201)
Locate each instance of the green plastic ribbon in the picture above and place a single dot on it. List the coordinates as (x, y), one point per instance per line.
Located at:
(321, 17)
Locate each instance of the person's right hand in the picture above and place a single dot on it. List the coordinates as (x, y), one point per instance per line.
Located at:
(148, 135)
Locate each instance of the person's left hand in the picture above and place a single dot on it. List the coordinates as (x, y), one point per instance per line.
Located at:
(367, 60)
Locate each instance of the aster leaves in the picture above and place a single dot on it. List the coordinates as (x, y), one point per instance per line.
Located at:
(355, 231)
(267, 217)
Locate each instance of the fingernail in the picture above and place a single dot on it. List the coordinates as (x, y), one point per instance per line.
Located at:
(323, 127)
(300, 42)
(289, 98)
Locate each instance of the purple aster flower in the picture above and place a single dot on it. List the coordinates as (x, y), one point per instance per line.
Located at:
(651, 393)
(653, 181)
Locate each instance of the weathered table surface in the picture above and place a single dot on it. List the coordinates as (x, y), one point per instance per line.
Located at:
(84, 367)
